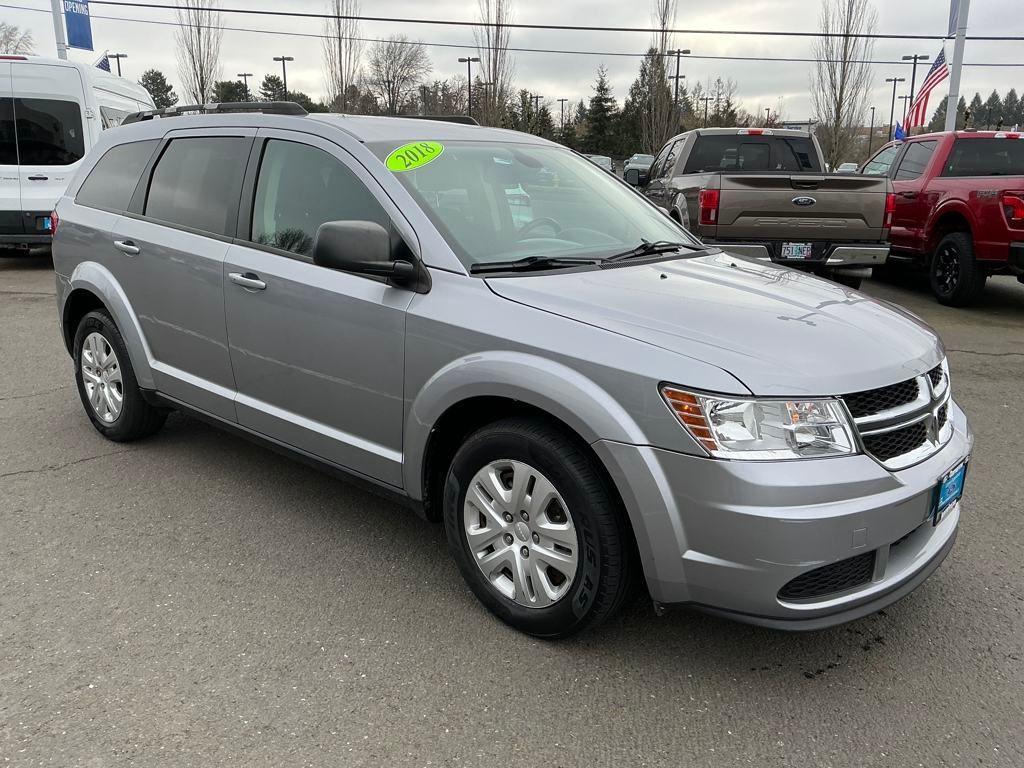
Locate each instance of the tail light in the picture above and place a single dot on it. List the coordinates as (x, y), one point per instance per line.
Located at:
(709, 200)
(890, 210)
(1013, 208)
(54, 221)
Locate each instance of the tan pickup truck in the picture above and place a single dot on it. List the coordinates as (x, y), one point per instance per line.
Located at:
(764, 193)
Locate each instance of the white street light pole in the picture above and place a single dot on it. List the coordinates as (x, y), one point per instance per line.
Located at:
(58, 29)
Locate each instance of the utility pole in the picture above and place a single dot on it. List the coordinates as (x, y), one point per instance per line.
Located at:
(679, 52)
(284, 71)
(561, 127)
(913, 73)
(906, 100)
(58, 29)
(963, 9)
(892, 109)
(487, 98)
(767, 116)
(468, 61)
(871, 131)
(535, 98)
(706, 100)
(245, 82)
(117, 57)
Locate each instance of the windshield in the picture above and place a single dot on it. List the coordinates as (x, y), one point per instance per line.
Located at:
(495, 201)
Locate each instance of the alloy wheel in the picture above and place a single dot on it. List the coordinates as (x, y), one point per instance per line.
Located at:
(520, 533)
(947, 269)
(101, 375)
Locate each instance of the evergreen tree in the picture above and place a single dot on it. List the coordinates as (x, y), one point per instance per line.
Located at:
(1012, 109)
(638, 131)
(230, 90)
(160, 90)
(601, 116)
(976, 114)
(938, 121)
(993, 110)
(272, 89)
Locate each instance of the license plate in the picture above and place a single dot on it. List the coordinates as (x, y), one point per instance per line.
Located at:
(951, 488)
(47, 223)
(797, 251)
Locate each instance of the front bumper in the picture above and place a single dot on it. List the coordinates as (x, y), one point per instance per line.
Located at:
(726, 536)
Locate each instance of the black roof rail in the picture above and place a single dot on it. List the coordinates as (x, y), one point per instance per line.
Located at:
(462, 119)
(265, 107)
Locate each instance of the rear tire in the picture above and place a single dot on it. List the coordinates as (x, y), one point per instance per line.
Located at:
(583, 520)
(107, 385)
(956, 278)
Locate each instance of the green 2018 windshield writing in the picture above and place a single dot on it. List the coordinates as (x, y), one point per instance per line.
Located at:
(409, 157)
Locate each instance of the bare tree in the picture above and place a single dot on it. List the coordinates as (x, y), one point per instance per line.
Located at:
(343, 51)
(496, 66)
(658, 123)
(396, 66)
(198, 37)
(15, 41)
(842, 76)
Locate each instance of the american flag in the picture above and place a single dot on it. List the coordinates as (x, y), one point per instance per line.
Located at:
(918, 114)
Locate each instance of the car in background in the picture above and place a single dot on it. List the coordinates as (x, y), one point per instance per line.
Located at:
(638, 161)
(602, 161)
(959, 208)
(761, 192)
(51, 113)
(847, 168)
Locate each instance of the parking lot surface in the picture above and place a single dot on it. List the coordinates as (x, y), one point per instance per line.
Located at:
(197, 600)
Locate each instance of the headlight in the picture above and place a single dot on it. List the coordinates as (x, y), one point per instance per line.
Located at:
(763, 430)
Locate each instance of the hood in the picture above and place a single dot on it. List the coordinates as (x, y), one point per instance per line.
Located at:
(779, 331)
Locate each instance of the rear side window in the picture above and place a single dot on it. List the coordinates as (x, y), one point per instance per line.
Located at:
(741, 152)
(112, 181)
(49, 131)
(986, 157)
(197, 181)
(299, 188)
(8, 147)
(916, 159)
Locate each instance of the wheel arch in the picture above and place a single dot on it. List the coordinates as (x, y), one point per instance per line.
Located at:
(948, 219)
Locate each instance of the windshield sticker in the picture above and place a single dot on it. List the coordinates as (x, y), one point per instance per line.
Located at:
(409, 157)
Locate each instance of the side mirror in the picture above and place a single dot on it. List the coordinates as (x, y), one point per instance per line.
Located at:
(363, 247)
(632, 177)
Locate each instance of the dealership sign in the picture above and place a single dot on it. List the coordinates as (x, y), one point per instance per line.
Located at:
(76, 15)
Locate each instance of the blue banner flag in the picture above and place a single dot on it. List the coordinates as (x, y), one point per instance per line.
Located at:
(899, 134)
(76, 16)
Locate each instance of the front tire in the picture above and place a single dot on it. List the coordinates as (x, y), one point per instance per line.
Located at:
(107, 385)
(956, 278)
(537, 533)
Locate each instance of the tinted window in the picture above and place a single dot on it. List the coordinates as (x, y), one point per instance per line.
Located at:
(196, 183)
(49, 131)
(670, 159)
(658, 161)
(742, 152)
(916, 159)
(986, 157)
(111, 183)
(301, 187)
(8, 148)
(880, 163)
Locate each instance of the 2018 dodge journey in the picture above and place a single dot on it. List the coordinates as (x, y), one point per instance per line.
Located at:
(522, 347)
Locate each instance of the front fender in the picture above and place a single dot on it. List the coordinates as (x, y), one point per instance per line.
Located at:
(540, 382)
(98, 280)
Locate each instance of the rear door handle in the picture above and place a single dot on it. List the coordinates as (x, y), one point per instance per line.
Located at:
(127, 246)
(248, 281)
(38, 178)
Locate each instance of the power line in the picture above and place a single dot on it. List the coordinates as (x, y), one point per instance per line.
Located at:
(462, 46)
(559, 27)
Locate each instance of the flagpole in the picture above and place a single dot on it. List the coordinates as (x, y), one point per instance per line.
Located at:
(958, 62)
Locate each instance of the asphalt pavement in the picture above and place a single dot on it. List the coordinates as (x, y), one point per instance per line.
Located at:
(196, 600)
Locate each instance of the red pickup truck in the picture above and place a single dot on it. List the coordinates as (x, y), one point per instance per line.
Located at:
(959, 207)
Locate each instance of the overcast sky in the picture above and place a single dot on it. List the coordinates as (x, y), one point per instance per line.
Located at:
(761, 84)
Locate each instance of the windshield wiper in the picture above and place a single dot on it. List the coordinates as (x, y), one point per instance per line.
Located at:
(531, 262)
(647, 248)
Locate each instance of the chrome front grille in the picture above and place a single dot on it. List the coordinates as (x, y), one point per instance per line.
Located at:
(902, 424)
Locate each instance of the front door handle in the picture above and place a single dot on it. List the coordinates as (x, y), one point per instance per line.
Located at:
(127, 246)
(38, 178)
(248, 281)
(908, 195)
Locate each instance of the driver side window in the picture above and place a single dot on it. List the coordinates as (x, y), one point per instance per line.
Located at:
(880, 164)
(300, 187)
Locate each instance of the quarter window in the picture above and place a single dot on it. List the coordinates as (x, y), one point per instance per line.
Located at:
(299, 188)
(915, 160)
(197, 181)
(111, 183)
(49, 131)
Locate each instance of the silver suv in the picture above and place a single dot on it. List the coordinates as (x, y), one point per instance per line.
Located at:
(517, 344)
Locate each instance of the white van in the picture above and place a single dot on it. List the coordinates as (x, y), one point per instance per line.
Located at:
(51, 113)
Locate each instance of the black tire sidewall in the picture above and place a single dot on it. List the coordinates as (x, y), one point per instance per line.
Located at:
(126, 423)
(969, 280)
(580, 494)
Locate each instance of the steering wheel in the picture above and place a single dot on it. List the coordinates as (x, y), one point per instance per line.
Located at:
(542, 222)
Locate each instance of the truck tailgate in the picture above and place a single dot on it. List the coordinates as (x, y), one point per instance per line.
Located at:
(799, 206)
